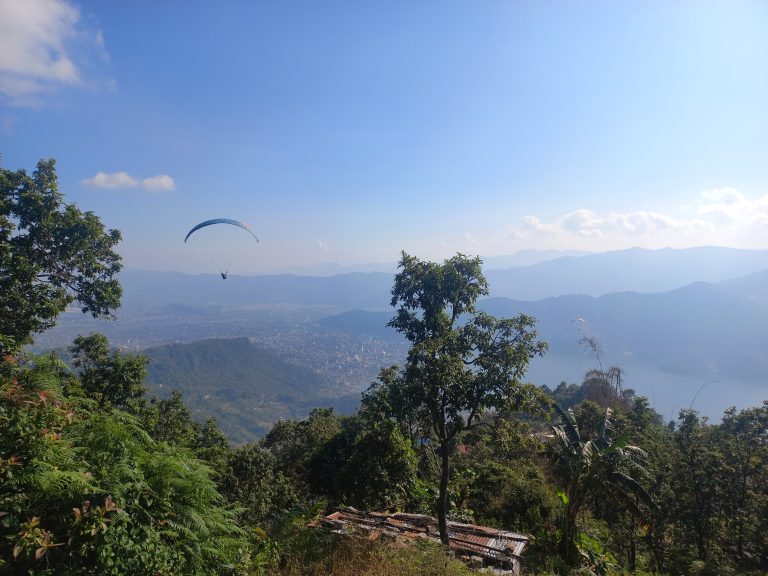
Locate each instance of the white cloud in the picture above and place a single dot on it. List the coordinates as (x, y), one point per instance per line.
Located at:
(726, 206)
(115, 180)
(321, 246)
(720, 216)
(37, 40)
(584, 223)
(160, 183)
(111, 181)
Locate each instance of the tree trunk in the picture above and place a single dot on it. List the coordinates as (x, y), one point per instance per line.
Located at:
(632, 546)
(568, 536)
(632, 543)
(442, 498)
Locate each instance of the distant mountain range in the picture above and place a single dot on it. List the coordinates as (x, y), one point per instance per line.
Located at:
(527, 258)
(521, 258)
(636, 270)
(676, 320)
(700, 329)
(354, 290)
(670, 343)
(702, 345)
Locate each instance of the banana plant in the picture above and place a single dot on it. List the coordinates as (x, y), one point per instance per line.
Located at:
(606, 464)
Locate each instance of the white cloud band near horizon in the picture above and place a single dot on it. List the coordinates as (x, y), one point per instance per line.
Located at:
(37, 41)
(587, 223)
(721, 215)
(122, 180)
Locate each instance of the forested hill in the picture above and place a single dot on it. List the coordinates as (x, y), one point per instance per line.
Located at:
(700, 329)
(244, 386)
(670, 343)
(721, 327)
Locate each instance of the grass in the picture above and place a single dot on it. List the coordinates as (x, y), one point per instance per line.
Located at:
(332, 555)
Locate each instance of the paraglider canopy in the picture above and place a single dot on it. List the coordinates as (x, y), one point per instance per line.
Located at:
(217, 252)
(221, 221)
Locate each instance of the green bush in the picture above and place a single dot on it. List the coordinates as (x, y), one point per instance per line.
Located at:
(87, 491)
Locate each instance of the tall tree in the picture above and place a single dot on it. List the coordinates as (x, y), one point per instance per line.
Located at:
(695, 482)
(461, 361)
(743, 436)
(169, 420)
(51, 254)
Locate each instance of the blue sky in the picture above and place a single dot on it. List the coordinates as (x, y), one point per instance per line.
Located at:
(349, 131)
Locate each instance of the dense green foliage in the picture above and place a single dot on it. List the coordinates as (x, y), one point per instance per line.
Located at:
(86, 490)
(606, 465)
(112, 379)
(51, 254)
(692, 500)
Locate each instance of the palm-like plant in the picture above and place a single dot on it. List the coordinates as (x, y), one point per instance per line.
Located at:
(607, 463)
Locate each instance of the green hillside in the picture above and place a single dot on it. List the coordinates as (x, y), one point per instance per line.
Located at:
(245, 387)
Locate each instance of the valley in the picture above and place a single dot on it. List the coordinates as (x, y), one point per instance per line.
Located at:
(700, 345)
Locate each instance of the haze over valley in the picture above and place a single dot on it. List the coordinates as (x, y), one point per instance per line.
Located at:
(688, 327)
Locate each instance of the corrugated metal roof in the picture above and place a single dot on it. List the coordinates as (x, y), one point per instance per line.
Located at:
(498, 548)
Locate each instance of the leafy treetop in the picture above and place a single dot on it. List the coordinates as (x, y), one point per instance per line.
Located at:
(461, 361)
(51, 254)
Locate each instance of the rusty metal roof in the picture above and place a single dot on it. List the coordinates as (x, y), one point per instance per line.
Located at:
(498, 548)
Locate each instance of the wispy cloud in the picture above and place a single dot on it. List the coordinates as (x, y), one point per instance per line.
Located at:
(37, 41)
(471, 240)
(117, 180)
(98, 38)
(320, 246)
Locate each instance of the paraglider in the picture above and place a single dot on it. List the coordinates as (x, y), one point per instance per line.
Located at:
(221, 221)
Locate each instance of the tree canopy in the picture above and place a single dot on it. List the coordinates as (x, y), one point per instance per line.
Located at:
(51, 254)
(461, 361)
(111, 378)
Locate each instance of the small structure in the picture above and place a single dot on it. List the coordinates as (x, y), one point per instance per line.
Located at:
(480, 546)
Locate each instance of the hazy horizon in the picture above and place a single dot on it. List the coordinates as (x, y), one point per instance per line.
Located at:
(519, 259)
(346, 132)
